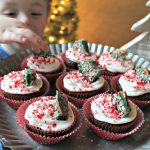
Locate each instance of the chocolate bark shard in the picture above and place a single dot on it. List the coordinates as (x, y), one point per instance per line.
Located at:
(119, 54)
(30, 77)
(121, 104)
(82, 46)
(90, 70)
(63, 105)
(143, 73)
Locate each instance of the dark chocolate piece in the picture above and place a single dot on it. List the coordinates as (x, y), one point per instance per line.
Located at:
(63, 104)
(90, 70)
(30, 77)
(81, 45)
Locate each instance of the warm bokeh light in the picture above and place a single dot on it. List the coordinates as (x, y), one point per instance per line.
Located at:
(62, 23)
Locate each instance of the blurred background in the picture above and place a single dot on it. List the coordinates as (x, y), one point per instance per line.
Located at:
(106, 22)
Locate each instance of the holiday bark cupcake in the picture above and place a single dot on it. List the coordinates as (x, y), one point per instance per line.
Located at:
(112, 116)
(50, 66)
(79, 52)
(20, 86)
(81, 84)
(115, 62)
(49, 119)
(136, 83)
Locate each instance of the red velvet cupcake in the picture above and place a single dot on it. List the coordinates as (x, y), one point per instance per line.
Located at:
(50, 66)
(49, 119)
(82, 84)
(78, 53)
(112, 116)
(20, 86)
(136, 83)
(115, 62)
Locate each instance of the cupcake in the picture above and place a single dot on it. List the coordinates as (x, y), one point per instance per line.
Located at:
(77, 53)
(136, 84)
(49, 119)
(112, 116)
(115, 62)
(50, 66)
(20, 86)
(81, 84)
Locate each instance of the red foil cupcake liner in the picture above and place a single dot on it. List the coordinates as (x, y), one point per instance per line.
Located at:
(16, 103)
(138, 122)
(78, 98)
(42, 139)
(141, 101)
(52, 76)
(69, 64)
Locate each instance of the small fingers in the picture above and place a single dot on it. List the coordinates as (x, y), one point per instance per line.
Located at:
(36, 42)
(9, 36)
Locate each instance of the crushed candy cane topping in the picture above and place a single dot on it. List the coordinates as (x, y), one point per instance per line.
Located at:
(41, 113)
(104, 108)
(76, 81)
(15, 83)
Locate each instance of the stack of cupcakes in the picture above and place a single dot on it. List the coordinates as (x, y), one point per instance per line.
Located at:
(50, 66)
(114, 63)
(81, 84)
(112, 116)
(77, 53)
(136, 83)
(20, 86)
(49, 119)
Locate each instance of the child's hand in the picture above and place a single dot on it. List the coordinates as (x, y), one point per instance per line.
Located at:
(12, 30)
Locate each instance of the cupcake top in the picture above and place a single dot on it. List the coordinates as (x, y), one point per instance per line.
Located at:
(116, 61)
(87, 78)
(80, 52)
(113, 108)
(135, 82)
(43, 62)
(21, 82)
(50, 113)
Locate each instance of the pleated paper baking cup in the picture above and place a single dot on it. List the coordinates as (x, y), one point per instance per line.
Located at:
(108, 133)
(141, 101)
(15, 101)
(49, 139)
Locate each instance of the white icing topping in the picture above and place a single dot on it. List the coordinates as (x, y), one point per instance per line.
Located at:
(43, 64)
(113, 64)
(133, 85)
(14, 83)
(78, 56)
(41, 114)
(75, 81)
(98, 107)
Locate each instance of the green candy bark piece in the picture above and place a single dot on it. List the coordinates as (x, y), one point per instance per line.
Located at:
(62, 101)
(82, 46)
(30, 77)
(143, 73)
(121, 104)
(90, 70)
(119, 54)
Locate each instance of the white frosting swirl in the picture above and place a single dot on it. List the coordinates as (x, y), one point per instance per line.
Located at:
(133, 85)
(14, 83)
(41, 114)
(78, 56)
(76, 82)
(97, 108)
(43, 64)
(115, 65)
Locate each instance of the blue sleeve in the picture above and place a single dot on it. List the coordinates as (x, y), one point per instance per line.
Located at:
(3, 54)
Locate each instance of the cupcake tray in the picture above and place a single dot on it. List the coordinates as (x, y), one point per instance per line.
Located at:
(14, 137)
